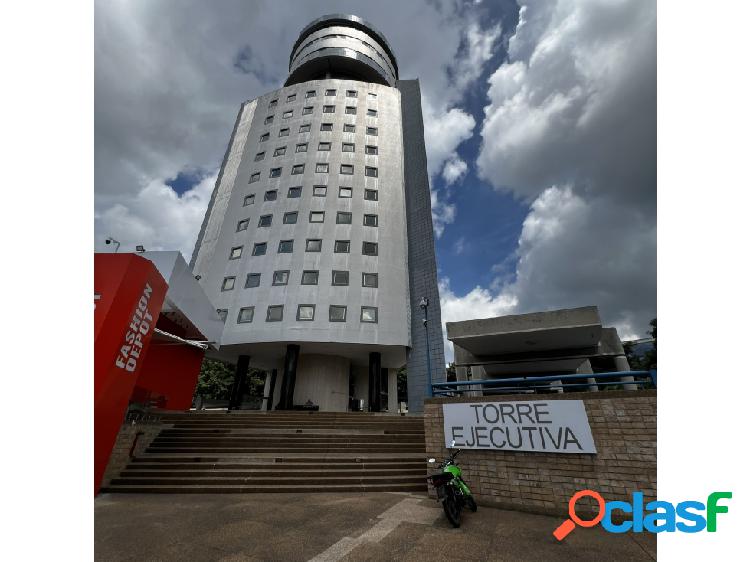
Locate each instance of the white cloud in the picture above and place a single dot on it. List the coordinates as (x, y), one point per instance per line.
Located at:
(571, 129)
(455, 168)
(157, 218)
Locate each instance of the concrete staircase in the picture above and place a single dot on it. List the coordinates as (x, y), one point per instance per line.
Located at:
(246, 452)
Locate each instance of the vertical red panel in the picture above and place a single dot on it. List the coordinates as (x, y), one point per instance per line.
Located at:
(128, 293)
(171, 371)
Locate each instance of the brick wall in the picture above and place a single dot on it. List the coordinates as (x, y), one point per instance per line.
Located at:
(623, 425)
(120, 455)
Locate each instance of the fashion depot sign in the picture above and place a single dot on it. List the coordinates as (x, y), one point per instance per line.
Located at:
(552, 426)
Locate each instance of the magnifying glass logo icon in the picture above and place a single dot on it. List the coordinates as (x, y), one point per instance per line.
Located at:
(569, 524)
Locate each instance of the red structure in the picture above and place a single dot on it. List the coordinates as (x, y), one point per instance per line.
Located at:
(131, 362)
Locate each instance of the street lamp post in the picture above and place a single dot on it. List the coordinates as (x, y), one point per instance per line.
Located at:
(424, 303)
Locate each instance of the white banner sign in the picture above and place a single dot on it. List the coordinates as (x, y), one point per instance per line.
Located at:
(554, 426)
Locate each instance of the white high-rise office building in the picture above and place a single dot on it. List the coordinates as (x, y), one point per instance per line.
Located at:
(317, 246)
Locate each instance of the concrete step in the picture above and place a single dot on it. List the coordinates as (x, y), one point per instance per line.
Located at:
(272, 466)
(316, 449)
(281, 442)
(257, 489)
(211, 472)
(268, 480)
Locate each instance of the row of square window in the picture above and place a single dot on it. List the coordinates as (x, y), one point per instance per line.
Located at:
(307, 110)
(313, 93)
(322, 147)
(318, 191)
(342, 217)
(320, 168)
(372, 131)
(305, 312)
(311, 245)
(339, 278)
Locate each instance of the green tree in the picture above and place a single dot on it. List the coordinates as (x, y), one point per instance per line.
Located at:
(215, 380)
(644, 362)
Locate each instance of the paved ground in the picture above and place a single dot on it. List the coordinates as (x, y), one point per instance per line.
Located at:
(346, 527)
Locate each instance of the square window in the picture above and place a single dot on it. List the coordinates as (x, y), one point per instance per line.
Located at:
(313, 245)
(371, 96)
(290, 218)
(249, 200)
(260, 156)
(307, 110)
(371, 172)
(265, 220)
(246, 315)
(345, 192)
(330, 92)
(280, 151)
(306, 312)
(324, 146)
(372, 112)
(349, 128)
(286, 246)
(252, 280)
(347, 169)
(272, 104)
(340, 278)
(336, 313)
(298, 169)
(274, 173)
(259, 249)
(369, 314)
(310, 277)
(235, 253)
(270, 195)
(289, 113)
(281, 277)
(371, 194)
(329, 109)
(369, 248)
(372, 131)
(275, 313)
(291, 97)
(304, 128)
(369, 279)
(264, 137)
(321, 168)
(326, 126)
(255, 177)
(370, 149)
(227, 284)
(284, 132)
(347, 147)
(243, 224)
(371, 220)
(343, 218)
(268, 120)
(294, 192)
(222, 312)
(341, 247)
(302, 147)
(310, 94)
(351, 93)
(320, 190)
(317, 216)
(350, 110)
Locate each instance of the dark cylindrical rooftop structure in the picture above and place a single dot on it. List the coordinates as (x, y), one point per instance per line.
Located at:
(344, 47)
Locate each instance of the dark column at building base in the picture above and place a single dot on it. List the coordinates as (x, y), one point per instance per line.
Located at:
(271, 389)
(374, 382)
(240, 374)
(286, 401)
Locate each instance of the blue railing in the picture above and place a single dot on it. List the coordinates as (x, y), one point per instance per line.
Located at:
(523, 385)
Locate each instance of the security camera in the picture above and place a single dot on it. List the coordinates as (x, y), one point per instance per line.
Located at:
(108, 241)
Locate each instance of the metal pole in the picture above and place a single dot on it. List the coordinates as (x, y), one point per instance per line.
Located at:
(424, 303)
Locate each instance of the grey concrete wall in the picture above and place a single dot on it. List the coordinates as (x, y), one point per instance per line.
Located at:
(422, 264)
(324, 380)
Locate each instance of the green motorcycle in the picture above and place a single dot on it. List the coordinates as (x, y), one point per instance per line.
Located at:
(451, 489)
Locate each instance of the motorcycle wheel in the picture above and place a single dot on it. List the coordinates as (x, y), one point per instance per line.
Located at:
(471, 504)
(452, 508)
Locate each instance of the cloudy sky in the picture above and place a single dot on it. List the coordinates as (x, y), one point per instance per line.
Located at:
(540, 124)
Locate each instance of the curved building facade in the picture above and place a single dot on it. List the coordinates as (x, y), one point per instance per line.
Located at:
(307, 246)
